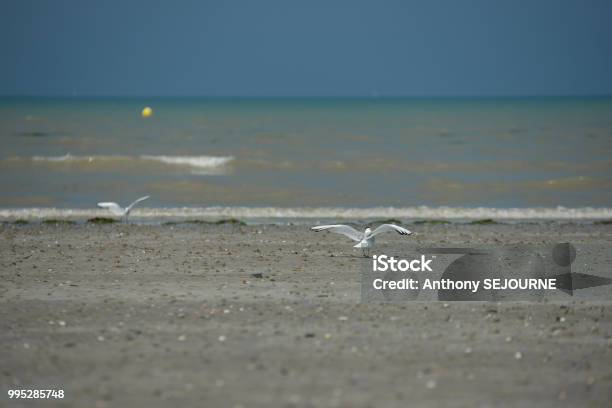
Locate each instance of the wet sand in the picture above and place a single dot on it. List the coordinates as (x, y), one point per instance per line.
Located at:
(136, 315)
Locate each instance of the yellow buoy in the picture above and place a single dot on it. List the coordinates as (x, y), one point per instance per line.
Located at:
(146, 112)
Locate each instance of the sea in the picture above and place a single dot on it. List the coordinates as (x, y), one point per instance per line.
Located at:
(248, 158)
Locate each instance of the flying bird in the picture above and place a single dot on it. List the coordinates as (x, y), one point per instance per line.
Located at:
(365, 240)
(116, 209)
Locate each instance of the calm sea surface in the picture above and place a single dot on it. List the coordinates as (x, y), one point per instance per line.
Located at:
(294, 153)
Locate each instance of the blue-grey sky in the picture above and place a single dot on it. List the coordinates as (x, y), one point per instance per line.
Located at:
(306, 48)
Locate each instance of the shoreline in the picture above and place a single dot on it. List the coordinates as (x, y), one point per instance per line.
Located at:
(305, 215)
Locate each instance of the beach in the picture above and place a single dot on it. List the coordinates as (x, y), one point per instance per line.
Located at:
(320, 205)
(264, 315)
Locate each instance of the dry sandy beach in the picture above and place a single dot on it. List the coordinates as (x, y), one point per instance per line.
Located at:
(143, 315)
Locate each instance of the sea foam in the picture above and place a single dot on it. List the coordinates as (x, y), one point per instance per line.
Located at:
(212, 164)
(193, 161)
(289, 213)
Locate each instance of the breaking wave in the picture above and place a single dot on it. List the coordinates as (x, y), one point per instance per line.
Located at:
(202, 162)
(212, 164)
(289, 213)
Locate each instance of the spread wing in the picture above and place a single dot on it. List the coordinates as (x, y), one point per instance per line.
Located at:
(112, 207)
(136, 202)
(345, 230)
(389, 227)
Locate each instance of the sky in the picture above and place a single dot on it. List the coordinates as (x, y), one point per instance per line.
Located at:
(308, 48)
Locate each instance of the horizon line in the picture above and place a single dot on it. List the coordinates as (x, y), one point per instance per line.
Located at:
(302, 97)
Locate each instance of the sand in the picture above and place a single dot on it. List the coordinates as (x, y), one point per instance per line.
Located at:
(137, 315)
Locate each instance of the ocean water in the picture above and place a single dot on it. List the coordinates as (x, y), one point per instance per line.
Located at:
(510, 158)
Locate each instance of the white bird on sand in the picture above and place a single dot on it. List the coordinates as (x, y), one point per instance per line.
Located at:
(365, 240)
(116, 209)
